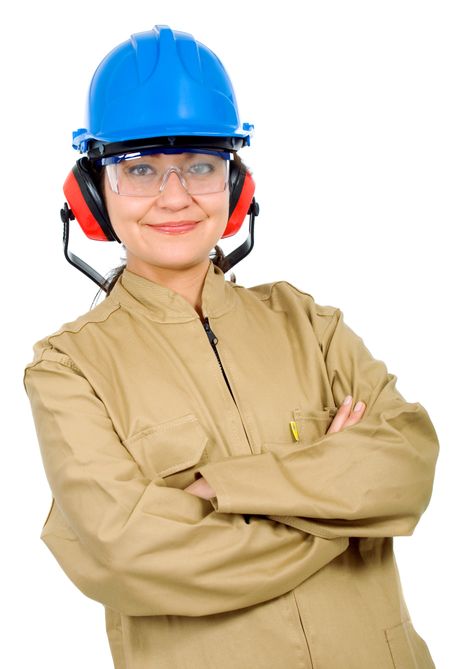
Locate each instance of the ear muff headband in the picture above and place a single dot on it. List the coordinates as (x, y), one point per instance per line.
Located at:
(86, 203)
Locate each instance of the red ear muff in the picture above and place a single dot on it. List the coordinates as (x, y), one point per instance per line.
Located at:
(242, 189)
(86, 203)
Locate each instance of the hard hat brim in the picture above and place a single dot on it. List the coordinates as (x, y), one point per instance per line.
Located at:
(97, 149)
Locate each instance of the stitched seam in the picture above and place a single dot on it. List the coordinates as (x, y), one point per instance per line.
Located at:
(83, 325)
(60, 358)
(303, 630)
(164, 427)
(334, 322)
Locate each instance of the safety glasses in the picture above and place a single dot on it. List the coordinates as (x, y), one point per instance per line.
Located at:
(145, 173)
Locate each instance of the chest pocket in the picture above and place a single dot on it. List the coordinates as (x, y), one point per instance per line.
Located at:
(408, 649)
(173, 450)
(312, 425)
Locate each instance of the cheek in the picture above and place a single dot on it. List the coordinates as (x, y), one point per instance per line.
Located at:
(221, 212)
(123, 212)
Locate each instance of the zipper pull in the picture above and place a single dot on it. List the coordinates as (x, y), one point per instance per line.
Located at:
(211, 336)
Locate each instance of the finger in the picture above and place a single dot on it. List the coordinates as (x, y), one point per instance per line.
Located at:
(201, 488)
(356, 415)
(193, 487)
(341, 416)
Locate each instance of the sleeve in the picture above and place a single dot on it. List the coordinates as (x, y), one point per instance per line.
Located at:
(373, 479)
(137, 545)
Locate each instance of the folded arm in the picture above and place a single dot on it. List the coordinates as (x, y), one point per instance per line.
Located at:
(371, 479)
(139, 546)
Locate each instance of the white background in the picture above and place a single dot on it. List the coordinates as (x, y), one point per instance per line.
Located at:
(350, 101)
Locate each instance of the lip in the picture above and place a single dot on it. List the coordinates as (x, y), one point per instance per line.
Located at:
(174, 227)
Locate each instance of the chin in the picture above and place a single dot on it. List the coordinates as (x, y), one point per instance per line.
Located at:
(174, 263)
(186, 263)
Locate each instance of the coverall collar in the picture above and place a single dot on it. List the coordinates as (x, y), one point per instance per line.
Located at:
(166, 306)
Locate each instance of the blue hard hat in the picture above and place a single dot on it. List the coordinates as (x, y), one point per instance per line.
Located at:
(160, 87)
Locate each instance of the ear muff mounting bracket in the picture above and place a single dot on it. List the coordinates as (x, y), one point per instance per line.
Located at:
(230, 260)
(74, 260)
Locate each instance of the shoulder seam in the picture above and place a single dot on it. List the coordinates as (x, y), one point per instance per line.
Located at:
(52, 354)
(271, 286)
(320, 310)
(78, 329)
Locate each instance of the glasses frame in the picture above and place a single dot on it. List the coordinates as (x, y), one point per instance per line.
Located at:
(111, 166)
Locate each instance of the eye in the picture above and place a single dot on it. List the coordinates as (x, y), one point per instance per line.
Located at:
(202, 169)
(140, 170)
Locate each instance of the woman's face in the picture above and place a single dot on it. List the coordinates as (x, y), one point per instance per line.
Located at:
(172, 230)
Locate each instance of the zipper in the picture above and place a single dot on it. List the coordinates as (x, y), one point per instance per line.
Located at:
(213, 340)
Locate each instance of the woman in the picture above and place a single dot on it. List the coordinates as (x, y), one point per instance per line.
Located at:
(228, 465)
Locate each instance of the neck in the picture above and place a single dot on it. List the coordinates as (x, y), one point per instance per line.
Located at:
(187, 282)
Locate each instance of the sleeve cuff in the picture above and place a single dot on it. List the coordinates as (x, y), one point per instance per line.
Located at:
(211, 472)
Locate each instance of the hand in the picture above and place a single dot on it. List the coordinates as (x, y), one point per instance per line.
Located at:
(201, 488)
(345, 416)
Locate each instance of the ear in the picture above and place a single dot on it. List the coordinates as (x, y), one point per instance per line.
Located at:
(86, 203)
(242, 189)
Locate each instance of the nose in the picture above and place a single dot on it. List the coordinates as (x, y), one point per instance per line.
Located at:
(172, 192)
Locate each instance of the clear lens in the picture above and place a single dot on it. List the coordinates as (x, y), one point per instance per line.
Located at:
(146, 175)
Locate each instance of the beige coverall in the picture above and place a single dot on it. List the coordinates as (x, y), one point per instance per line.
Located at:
(291, 566)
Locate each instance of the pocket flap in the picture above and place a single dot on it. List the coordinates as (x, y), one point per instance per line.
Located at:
(167, 448)
(313, 425)
(407, 648)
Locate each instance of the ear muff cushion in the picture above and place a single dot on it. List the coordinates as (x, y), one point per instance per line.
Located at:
(242, 190)
(86, 203)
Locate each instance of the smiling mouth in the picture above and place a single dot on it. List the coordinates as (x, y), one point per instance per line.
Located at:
(174, 227)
